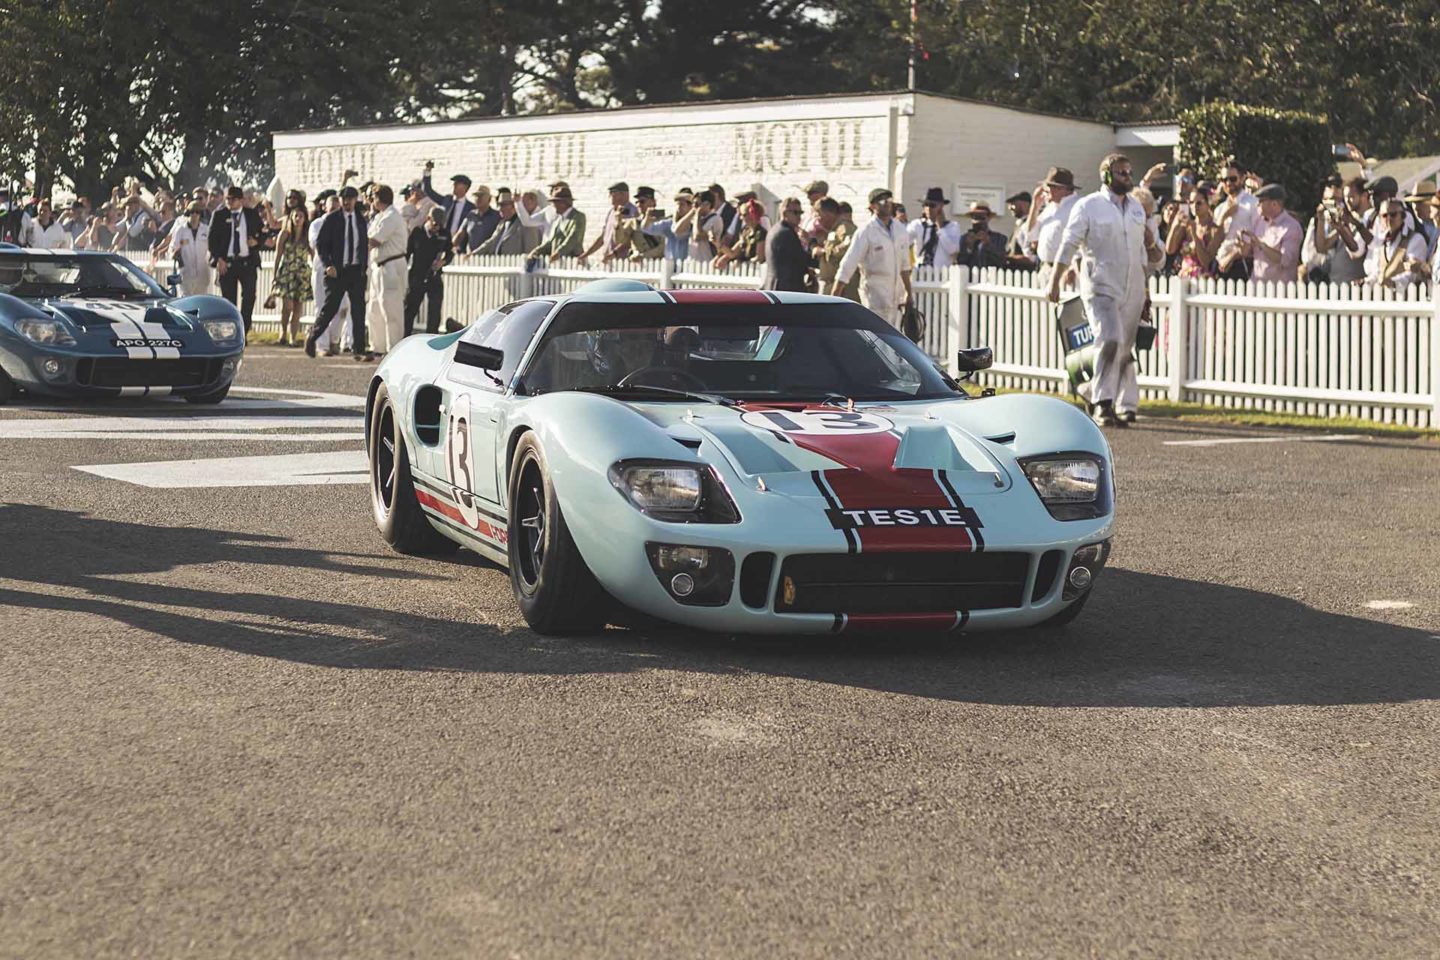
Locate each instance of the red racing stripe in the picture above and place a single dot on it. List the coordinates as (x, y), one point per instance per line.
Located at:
(719, 296)
(872, 482)
(484, 527)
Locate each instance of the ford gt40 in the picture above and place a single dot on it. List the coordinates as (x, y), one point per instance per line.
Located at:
(735, 461)
(76, 324)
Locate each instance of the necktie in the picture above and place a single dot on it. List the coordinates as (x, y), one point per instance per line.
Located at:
(456, 209)
(927, 249)
(235, 234)
(349, 239)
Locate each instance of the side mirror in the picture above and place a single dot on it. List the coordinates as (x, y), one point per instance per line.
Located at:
(974, 359)
(172, 283)
(474, 355)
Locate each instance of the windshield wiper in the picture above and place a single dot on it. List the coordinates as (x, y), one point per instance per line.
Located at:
(611, 388)
(103, 291)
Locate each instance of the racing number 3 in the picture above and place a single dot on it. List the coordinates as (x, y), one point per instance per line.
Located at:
(460, 459)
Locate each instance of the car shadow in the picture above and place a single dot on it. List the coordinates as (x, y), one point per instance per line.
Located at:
(1144, 641)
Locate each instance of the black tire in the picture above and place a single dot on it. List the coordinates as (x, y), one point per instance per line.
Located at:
(7, 388)
(392, 491)
(556, 591)
(1064, 617)
(214, 396)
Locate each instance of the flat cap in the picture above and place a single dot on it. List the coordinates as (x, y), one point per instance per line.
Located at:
(878, 194)
(1271, 191)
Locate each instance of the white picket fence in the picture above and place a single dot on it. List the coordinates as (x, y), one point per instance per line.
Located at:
(1322, 350)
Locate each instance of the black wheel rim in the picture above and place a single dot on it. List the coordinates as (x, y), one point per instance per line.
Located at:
(530, 508)
(386, 466)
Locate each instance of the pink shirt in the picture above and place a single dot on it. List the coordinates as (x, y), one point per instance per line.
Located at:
(1283, 232)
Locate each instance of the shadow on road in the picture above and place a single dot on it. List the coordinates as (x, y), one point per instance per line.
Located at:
(1145, 640)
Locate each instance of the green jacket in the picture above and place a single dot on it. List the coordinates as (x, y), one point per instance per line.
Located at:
(568, 240)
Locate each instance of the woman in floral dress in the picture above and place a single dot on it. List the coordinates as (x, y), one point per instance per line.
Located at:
(1195, 235)
(292, 273)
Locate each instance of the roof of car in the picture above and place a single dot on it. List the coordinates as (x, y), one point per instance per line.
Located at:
(10, 248)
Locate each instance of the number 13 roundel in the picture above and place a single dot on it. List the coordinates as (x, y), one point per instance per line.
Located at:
(831, 423)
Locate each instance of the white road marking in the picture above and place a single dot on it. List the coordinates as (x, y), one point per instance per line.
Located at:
(190, 428)
(302, 398)
(1388, 604)
(1219, 441)
(285, 470)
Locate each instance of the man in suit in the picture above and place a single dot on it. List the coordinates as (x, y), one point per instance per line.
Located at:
(457, 208)
(234, 245)
(786, 259)
(428, 251)
(509, 237)
(568, 237)
(343, 248)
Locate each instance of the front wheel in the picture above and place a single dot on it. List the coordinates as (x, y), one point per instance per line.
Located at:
(214, 396)
(556, 591)
(392, 492)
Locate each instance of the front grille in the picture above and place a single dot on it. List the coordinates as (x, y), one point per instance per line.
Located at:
(901, 582)
(755, 579)
(124, 372)
(1045, 574)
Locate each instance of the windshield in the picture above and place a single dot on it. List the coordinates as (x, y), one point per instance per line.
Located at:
(810, 351)
(22, 275)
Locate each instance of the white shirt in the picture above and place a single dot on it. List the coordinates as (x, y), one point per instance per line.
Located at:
(947, 245)
(1050, 228)
(704, 236)
(1108, 231)
(881, 252)
(388, 227)
(1383, 249)
(352, 239)
(189, 246)
(544, 217)
(53, 237)
(1247, 217)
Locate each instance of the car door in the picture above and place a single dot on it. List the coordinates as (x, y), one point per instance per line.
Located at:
(477, 399)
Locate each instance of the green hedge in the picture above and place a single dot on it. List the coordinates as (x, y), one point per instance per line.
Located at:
(1284, 146)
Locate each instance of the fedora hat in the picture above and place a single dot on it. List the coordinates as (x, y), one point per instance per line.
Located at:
(935, 195)
(561, 193)
(1059, 177)
(979, 207)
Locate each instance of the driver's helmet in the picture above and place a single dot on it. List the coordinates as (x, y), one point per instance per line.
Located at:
(615, 353)
(11, 273)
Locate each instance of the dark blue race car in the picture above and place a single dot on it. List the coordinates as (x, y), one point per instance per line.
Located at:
(82, 324)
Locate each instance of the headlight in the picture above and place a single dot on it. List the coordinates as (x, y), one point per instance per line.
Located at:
(49, 332)
(1072, 487)
(222, 329)
(677, 492)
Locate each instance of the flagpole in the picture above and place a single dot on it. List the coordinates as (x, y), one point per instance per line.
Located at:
(914, 21)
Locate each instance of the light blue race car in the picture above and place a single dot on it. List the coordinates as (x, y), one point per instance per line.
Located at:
(83, 324)
(735, 461)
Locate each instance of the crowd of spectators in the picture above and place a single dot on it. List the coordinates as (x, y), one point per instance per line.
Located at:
(1234, 225)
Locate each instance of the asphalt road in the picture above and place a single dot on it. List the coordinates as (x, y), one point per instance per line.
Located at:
(232, 723)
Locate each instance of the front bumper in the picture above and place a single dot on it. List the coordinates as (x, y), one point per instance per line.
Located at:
(70, 373)
(1010, 585)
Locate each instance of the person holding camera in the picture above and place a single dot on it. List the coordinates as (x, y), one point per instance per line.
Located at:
(234, 240)
(981, 246)
(457, 208)
(1118, 250)
(1397, 256)
(1194, 235)
(1239, 214)
(935, 237)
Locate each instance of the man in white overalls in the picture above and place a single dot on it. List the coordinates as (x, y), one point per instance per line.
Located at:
(1107, 228)
(881, 252)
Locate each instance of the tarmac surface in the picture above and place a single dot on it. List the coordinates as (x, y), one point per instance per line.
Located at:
(233, 723)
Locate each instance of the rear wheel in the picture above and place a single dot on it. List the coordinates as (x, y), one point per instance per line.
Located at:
(392, 492)
(556, 591)
(214, 396)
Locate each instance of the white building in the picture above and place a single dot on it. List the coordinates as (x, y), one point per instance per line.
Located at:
(904, 141)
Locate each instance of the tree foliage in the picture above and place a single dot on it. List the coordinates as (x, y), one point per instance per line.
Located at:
(99, 89)
(1285, 146)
